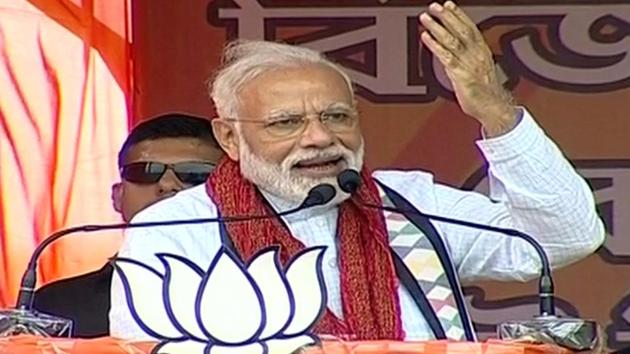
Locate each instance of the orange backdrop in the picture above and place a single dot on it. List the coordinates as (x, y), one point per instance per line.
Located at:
(64, 79)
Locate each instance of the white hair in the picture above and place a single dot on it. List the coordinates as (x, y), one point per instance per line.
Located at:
(244, 60)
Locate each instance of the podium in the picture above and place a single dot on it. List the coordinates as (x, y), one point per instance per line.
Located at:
(108, 345)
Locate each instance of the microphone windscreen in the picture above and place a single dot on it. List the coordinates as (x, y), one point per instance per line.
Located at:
(349, 181)
(319, 195)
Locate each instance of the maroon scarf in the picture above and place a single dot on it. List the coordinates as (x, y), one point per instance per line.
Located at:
(369, 285)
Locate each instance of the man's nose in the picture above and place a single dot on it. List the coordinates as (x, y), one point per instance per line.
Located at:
(316, 135)
(169, 183)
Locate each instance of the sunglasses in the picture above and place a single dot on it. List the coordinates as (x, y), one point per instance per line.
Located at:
(147, 172)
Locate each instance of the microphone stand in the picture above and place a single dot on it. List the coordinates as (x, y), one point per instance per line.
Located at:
(573, 333)
(23, 319)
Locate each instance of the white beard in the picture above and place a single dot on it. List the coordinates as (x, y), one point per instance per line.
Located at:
(282, 182)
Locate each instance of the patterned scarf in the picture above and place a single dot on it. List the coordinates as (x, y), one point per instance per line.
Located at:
(369, 294)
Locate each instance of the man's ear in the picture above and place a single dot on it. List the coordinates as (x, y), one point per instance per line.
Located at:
(117, 192)
(227, 137)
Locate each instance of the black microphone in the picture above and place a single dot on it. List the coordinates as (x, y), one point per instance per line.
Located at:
(318, 195)
(350, 180)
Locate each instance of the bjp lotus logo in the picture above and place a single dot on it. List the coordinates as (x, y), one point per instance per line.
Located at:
(230, 308)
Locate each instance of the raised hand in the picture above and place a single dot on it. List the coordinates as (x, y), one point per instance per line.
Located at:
(468, 62)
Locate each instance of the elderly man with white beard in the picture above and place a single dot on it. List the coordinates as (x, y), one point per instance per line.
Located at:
(288, 121)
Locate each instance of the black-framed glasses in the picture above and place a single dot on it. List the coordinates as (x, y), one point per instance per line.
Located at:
(149, 172)
(287, 125)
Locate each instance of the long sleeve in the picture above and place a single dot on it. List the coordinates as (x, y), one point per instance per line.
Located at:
(533, 188)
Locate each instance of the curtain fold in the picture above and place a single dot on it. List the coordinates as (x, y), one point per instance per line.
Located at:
(64, 87)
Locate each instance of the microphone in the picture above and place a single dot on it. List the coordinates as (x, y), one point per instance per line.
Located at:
(316, 196)
(576, 334)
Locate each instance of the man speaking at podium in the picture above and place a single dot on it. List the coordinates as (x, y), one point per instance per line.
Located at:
(288, 121)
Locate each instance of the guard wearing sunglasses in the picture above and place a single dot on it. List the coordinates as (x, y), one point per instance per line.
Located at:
(150, 172)
(160, 157)
(157, 163)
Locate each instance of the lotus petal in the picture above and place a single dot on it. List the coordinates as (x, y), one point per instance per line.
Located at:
(267, 271)
(289, 345)
(229, 304)
(304, 273)
(183, 347)
(143, 290)
(181, 283)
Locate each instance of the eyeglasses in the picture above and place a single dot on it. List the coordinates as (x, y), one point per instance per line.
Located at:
(290, 125)
(148, 172)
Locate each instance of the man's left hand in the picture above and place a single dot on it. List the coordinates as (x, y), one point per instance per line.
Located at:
(468, 62)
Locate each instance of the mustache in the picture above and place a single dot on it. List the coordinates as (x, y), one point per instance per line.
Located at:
(303, 155)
